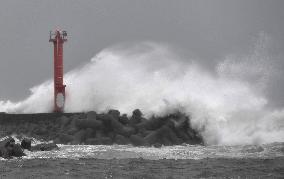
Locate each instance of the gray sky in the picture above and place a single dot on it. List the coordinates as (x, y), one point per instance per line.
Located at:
(208, 29)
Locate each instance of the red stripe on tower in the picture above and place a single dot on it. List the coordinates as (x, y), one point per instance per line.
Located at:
(58, 38)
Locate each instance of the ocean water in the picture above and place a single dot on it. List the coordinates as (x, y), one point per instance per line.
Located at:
(126, 161)
(267, 151)
(186, 151)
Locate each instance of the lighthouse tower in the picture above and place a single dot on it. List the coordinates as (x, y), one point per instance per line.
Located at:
(58, 38)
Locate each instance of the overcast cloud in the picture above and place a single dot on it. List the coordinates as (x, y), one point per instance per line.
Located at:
(207, 30)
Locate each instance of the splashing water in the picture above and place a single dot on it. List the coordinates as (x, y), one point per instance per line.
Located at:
(268, 151)
(166, 152)
(228, 107)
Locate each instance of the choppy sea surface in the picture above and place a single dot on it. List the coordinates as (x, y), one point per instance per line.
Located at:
(127, 161)
(272, 150)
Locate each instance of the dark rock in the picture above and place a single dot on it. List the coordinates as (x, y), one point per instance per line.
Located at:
(64, 121)
(7, 142)
(72, 130)
(114, 113)
(41, 130)
(45, 147)
(8, 149)
(137, 113)
(82, 135)
(143, 132)
(90, 133)
(57, 140)
(170, 136)
(152, 124)
(157, 145)
(120, 128)
(65, 138)
(111, 135)
(76, 117)
(136, 117)
(93, 141)
(18, 151)
(138, 141)
(163, 135)
(111, 124)
(182, 134)
(106, 141)
(182, 129)
(88, 123)
(5, 153)
(102, 128)
(99, 141)
(92, 115)
(123, 119)
(121, 140)
(106, 121)
(154, 137)
(79, 137)
(99, 134)
(166, 141)
(26, 143)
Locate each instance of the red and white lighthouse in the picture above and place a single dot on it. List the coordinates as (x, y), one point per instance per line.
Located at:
(58, 38)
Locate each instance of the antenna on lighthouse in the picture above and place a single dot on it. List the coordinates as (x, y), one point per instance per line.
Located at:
(58, 38)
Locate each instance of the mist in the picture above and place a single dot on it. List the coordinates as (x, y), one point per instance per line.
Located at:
(228, 106)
